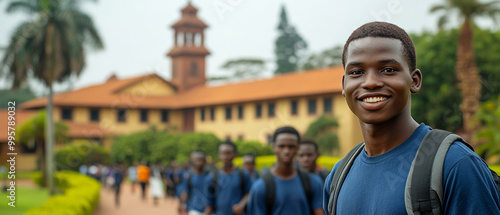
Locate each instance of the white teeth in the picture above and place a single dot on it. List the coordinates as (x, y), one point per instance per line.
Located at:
(374, 99)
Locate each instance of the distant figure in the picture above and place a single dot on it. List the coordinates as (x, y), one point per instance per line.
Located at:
(156, 183)
(83, 169)
(308, 155)
(143, 174)
(249, 167)
(118, 176)
(169, 179)
(286, 189)
(132, 175)
(193, 193)
(93, 170)
(179, 177)
(230, 195)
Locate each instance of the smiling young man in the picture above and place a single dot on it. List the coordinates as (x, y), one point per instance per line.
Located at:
(380, 76)
(290, 195)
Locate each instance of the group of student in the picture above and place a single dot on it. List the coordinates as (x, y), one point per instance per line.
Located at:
(231, 190)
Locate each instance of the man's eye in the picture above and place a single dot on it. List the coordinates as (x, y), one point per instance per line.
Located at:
(388, 70)
(355, 72)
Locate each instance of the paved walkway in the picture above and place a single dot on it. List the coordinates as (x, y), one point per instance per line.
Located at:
(131, 203)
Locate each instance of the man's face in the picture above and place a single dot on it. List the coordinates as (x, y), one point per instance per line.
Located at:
(306, 156)
(377, 81)
(248, 163)
(198, 160)
(226, 153)
(286, 147)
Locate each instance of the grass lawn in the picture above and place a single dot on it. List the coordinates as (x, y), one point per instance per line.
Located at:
(26, 199)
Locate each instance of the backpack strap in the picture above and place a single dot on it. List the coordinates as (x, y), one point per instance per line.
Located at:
(323, 174)
(189, 185)
(268, 179)
(424, 185)
(305, 178)
(242, 181)
(339, 177)
(214, 185)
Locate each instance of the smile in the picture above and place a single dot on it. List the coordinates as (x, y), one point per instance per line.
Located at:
(374, 99)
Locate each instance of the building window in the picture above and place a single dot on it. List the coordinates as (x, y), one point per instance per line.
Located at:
(258, 110)
(144, 115)
(270, 110)
(121, 115)
(294, 108)
(164, 115)
(269, 139)
(66, 113)
(240, 112)
(193, 71)
(202, 114)
(228, 113)
(94, 115)
(311, 106)
(327, 105)
(212, 114)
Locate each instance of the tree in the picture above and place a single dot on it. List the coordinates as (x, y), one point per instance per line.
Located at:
(489, 115)
(32, 133)
(241, 69)
(19, 95)
(466, 70)
(327, 58)
(72, 156)
(51, 46)
(289, 46)
(322, 130)
(436, 59)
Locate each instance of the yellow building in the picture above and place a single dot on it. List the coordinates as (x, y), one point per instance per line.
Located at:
(249, 110)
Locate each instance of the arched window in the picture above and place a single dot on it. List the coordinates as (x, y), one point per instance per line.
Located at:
(180, 39)
(189, 39)
(197, 39)
(193, 71)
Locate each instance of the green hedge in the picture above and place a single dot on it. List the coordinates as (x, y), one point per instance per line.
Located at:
(268, 161)
(81, 195)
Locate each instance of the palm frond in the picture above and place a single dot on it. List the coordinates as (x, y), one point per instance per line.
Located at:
(439, 7)
(30, 7)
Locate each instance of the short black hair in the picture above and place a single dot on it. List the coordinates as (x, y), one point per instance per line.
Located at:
(287, 130)
(199, 152)
(230, 143)
(249, 155)
(386, 30)
(309, 141)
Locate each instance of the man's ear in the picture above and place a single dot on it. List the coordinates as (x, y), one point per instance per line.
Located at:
(343, 79)
(416, 81)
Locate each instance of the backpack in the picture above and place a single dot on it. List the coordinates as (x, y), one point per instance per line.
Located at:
(424, 185)
(213, 187)
(268, 179)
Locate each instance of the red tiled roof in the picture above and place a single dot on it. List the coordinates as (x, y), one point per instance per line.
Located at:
(312, 82)
(20, 116)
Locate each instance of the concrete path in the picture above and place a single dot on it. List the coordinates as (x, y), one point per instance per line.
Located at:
(131, 203)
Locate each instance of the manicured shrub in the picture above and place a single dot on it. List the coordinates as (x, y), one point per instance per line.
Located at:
(80, 195)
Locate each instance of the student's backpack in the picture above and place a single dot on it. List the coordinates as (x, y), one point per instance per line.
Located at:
(268, 179)
(323, 174)
(213, 187)
(424, 185)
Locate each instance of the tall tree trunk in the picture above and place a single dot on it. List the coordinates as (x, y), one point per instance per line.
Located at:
(40, 151)
(49, 143)
(469, 81)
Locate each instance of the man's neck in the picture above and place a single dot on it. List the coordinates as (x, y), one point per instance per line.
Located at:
(198, 170)
(381, 138)
(284, 171)
(228, 168)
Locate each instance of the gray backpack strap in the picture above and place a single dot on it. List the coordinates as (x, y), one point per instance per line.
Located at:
(339, 176)
(424, 185)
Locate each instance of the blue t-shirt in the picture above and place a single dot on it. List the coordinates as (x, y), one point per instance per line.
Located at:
(198, 197)
(252, 178)
(290, 196)
(376, 184)
(228, 191)
(182, 175)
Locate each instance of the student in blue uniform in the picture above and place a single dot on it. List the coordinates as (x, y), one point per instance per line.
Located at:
(193, 197)
(290, 196)
(380, 76)
(230, 195)
(249, 167)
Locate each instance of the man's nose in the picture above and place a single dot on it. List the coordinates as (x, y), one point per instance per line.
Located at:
(372, 80)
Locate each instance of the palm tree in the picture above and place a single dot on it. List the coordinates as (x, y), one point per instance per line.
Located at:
(465, 69)
(51, 46)
(32, 133)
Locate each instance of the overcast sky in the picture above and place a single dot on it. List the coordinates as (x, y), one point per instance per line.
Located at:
(137, 34)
